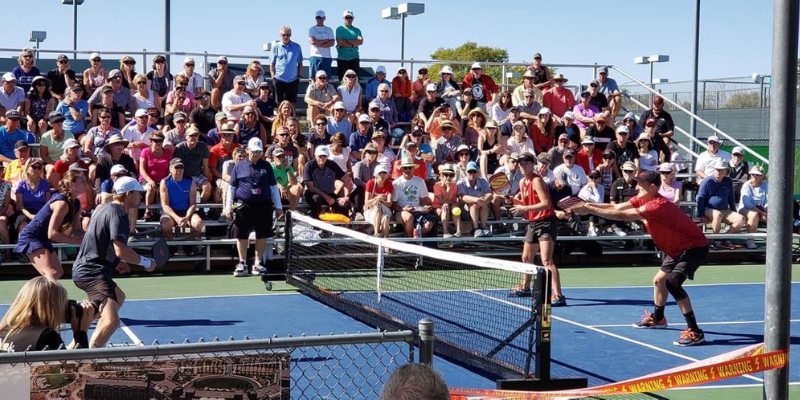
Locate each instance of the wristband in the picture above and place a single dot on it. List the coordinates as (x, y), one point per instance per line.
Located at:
(144, 262)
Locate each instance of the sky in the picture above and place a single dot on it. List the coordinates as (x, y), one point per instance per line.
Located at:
(735, 40)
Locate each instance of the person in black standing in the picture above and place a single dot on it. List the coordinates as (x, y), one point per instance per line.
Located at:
(665, 126)
(103, 250)
(254, 190)
(624, 149)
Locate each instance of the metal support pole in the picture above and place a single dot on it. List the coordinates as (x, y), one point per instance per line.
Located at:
(782, 125)
(166, 31)
(692, 121)
(37, 49)
(426, 342)
(75, 29)
(652, 86)
(144, 58)
(402, 39)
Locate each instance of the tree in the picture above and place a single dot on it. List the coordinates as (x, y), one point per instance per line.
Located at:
(472, 52)
(743, 100)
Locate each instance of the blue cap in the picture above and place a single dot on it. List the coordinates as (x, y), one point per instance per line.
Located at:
(472, 166)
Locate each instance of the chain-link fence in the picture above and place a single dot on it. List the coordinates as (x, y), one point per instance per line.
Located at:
(712, 94)
(306, 367)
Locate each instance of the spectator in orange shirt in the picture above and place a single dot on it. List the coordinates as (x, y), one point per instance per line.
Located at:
(401, 91)
(218, 154)
(559, 99)
(418, 87)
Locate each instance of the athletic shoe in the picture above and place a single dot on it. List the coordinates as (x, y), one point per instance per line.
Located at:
(717, 245)
(358, 217)
(458, 235)
(690, 338)
(487, 232)
(726, 244)
(241, 269)
(478, 233)
(619, 232)
(258, 270)
(592, 232)
(558, 301)
(751, 244)
(448, 235)
(650, 323)
(520, 291)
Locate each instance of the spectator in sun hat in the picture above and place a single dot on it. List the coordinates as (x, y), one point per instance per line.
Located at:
(447, 145)
(52, 143)
(38, 102)
(61, 77)
(194, 80)
(234, 101)
(321, 38)
(74, 109)
(716, 203)
(221, 81)
(401, 93)
(431, 102)
(541, 72)
(704, 166)
(448, 87)
(483, 86)
(114, 154)
(320, 96)
(738, 170)
(558, 98)
(286, 66)
(411, 151)
(529, 81)
(371, 89)
(348, 40)
(441, 114)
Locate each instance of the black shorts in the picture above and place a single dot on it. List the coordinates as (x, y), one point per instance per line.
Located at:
(688, 262)
(542, 230)
(254, 217)
(99, 291)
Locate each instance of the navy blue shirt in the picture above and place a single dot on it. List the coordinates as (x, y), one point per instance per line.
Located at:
(96, 258)
(253, 182)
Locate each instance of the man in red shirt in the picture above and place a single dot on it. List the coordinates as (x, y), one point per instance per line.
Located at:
(559, 99)
(684, 244)
(483, 86)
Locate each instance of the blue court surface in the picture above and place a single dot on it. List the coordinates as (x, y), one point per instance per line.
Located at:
(593, 337)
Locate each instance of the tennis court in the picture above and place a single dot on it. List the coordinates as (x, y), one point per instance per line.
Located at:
(591, 338)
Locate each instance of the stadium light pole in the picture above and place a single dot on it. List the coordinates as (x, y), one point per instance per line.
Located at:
(37, 37)
(167, 12)
(401, 12)
(695, 65)
(74, 4)
(655, 58)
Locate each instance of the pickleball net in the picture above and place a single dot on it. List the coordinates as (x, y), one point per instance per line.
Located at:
(393, 285)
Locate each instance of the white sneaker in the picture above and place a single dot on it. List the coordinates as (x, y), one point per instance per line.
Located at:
(258, 270)
(241, 270)
(751, 244)
(487, 232)
(478, 233)
(619, 232)
(448, 235)
(592, 232)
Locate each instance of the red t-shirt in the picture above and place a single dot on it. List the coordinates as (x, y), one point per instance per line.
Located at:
(530, 198)
(672, 231)
(61, 167)
(387, 188)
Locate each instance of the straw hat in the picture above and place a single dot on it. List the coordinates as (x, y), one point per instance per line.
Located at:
(409, 162)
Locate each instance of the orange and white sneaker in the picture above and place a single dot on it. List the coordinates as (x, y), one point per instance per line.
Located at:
(690, 337)
(650, 323)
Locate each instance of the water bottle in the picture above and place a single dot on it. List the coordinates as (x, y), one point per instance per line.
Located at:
(418, 231)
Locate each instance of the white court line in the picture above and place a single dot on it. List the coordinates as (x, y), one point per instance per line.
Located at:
(629, 340)
(135, 339)
(701, 323)
(651, 286)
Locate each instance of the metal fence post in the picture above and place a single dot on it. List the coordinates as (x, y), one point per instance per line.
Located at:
(144, 59)
(206, 78)
(426, 341)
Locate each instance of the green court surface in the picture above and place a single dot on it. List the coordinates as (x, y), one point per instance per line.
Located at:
(144, 286)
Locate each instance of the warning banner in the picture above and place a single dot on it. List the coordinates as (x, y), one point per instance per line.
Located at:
(730, 365)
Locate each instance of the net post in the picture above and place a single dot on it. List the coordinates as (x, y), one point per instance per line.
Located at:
(287, 237)
(543, 324)
(426, 341)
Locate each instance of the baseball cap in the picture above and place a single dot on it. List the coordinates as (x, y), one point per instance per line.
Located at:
(62, 57)
(379, 169)
(120, 168)
(339, 106)
(713, 139)
(588, 140)
(529, 74)
(422, 70)
(373, 104)
(94, 55)
(77, 167)
(649, 177)
(666, 167)
(12, 114)
(756, 170)
(20, 144)
(630, 115)
(379, 134)
(431, 87)
(563, 136)
(220, 116)
(411, 144)
(543, 158)
(720, 164)
(348, 13)
(71, 143)
(188, 60)
(350, 72)
(623, 129)
(35, 160)
(600, 118)
(476, 65)
(179, 116)
(462, 148)
(380, 70)
(527, 157)
(658, 100)
(114, 73)
(737, 150)
(545, 110)
(602, 70)
(321, 73)
(594, 83)
(255, 144)
(363, 118)
(321, 151)
(537, 55)
(319, 14)
(125, 184)
(55, 116)
(472, 166)
(238, 78)
(140, 113)
(569, 114)
(561, 177)
(222, 58)
(106, 89)
(568, 152)
(628, 166)
(594, 174)
(9, 77)
(278, 151)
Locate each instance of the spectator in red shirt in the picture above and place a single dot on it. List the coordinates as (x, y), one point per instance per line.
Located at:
(401, 92)
(418, 87)
(589, 157)
(559, 99)
(218, 154)
(412, 151)
(684, 244)
(483, 86)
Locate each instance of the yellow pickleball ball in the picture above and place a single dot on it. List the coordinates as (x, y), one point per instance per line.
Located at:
(456, 211)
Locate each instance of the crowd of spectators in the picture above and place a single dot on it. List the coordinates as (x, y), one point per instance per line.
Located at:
(423, 152)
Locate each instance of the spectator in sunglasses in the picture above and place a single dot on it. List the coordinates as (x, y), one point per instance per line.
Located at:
(194, 82)
(221, 81)
(321, 95)
(61, 77)
(127, 65)
(321, 39)
(26, 71)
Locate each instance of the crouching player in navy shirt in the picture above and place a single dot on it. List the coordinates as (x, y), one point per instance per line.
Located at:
(254, 190)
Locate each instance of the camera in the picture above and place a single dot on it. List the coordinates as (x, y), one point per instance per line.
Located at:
(72, 304)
